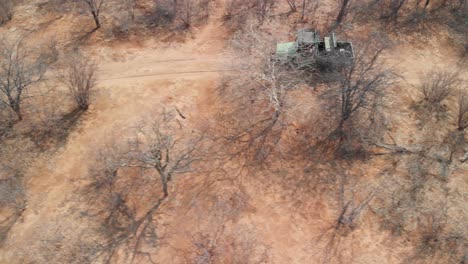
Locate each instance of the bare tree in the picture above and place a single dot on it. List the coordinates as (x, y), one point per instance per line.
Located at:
(19, 70)
(95, 7)
(302, 6)
(436, 86)
(263, 8)
(257, 111)
(462, 113)
(6, 10)
(343, 11)
(292, 5)
(392, 10)
(360, 85)
(80, 79)
(140, 170)
(190, 11)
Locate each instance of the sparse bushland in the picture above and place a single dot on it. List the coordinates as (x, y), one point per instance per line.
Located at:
(24, 91)
(119, 19)
(420, 204)
(408, 14)
(31, 119)
(351, 100)
(421, 201)
(414, 17)
(30, 103)
(134, 182)
(259, 113)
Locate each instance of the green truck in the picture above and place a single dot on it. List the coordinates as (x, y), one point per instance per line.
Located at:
(308, 46)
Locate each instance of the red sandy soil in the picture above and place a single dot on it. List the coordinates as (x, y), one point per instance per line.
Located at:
(136, 81)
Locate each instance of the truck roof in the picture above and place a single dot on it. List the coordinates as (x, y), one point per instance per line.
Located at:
(307, 36)
(286, 48)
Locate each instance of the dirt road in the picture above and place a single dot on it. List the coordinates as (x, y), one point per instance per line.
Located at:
(165, 68)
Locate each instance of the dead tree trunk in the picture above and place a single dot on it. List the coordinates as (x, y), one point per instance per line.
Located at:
(94, 7)
(342, 13)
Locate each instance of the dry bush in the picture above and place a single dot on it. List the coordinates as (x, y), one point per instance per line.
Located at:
(263, 8)
(235, 14)
(436, 86)
(164, 12)
(193, 11)
(418, 20)
(423, 16)
(214, 239)
(6, 120)
(122, 26)
(6, 10)
(238, 13)
(16, 158)
(51, 123)
(462, 113)
(58, 6)
(123, 17)
(185, 12)
(414, 17)
(12, 201)
(392, 10)
(220, 246)
(437, 244)
(458, 23)
(79, 76)
(418, 204)
(351, 197)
